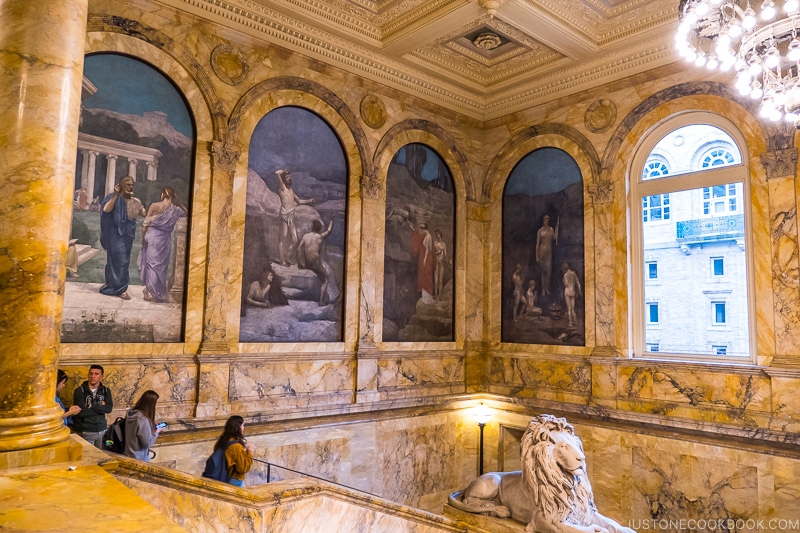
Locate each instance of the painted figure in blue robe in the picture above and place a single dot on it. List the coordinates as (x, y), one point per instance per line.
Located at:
(117, 231)
(156, 249)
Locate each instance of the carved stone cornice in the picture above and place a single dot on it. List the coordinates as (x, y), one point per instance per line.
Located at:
(780, 163)
(371, 186)
(224, 156)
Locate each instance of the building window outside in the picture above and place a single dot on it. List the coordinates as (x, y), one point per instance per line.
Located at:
(655, 207)
(652, 312)
(652, 346)
(717, 266)
(655, 169)
(705, 227)
(720, 199)
(652, 270)
(717, 157)
(718, 309)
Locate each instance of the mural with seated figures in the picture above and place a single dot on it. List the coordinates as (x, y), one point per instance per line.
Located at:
(543, 261)
(294, 249)
(419, 247)
(126, 260)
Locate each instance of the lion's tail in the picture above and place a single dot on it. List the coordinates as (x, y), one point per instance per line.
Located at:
(456, 499)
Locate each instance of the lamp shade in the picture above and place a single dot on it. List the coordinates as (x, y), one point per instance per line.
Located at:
(482, 414)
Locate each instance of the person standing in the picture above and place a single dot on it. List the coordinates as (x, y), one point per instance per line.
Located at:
(572, 288)
(289, 200)
(153, 262)
(117, 231)
(519, 297)
(546, 238)
(309, 255)
(94, 400)
(422, 251)
(238, 452)
(442, 262)
(140, 427)
(61, 382)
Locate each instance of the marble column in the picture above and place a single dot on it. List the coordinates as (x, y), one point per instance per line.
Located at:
(111, 173)
(91, 170)
(479, 254)
(607, 284)
(215, 325)
(132, 168)
(371, 200)
(781, 169)
(41, 57)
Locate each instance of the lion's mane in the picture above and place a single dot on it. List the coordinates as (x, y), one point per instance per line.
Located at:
(559, 495)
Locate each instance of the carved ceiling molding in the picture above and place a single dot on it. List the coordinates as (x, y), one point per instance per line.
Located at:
(425, 12)
(578, 78)
(454, 63)
(417, 73)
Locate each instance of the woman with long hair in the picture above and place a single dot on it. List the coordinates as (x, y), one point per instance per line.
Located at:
(61, 382)
(238, 453)
(154, 256)
(140, 427)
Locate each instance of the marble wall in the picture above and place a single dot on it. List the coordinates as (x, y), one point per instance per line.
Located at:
(211, 374)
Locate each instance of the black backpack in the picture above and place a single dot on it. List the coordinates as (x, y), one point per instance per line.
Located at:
(114, 439)
(217, 465)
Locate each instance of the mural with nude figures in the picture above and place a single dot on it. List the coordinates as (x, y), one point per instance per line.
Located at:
(419, 247)
(294, 239)
(543, 262)
(126, 259)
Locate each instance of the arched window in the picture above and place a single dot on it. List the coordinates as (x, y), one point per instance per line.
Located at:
(690, 282)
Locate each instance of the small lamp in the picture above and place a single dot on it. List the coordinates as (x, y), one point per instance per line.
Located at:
(481, 414)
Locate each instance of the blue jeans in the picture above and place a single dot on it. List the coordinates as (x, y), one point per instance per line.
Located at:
(236, 482)
(94, 437)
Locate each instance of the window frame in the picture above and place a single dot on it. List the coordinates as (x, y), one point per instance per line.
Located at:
(638, 188)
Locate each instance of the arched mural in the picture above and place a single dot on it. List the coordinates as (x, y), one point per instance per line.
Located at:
(126, 261)
(419, 247)
(294, 249)
(543, 262)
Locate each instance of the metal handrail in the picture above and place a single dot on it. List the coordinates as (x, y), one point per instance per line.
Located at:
(269, 473)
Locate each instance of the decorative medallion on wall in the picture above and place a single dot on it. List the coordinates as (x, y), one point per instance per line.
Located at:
(600, 116)
(373, 112)
(228, 64)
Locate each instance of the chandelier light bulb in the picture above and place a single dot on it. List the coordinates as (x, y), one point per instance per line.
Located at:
(794, 50)
(691, 16)
(780, 97)
(735, 28)
(756, 90)
(701, 59)
(712, 62)
(767, 107)
(768, 10)
(748, 18)
(773, 57)
(791, 6)
(755, 67)
(776, 115)
(724, 39)
(701, 10)
(725, 66)
(791, 117)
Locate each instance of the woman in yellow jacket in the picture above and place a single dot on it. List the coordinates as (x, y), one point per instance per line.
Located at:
(238, 453)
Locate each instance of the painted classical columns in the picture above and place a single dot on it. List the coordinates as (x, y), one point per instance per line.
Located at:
(41, 57)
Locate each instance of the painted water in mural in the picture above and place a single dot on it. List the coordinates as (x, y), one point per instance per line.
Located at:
(294, 251)
(543, 261)
(419, 247)
(126, 259)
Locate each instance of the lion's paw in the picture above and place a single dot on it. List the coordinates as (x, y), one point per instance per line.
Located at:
(501, 512)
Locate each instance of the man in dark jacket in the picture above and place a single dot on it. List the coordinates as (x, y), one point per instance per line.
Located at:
(95, 402)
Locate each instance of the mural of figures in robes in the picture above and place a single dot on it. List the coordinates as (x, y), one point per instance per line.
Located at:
(543, 260)
(419, 247)
(126, 261)
(294, 249)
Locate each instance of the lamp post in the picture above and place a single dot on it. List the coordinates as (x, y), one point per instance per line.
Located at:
(481, 414)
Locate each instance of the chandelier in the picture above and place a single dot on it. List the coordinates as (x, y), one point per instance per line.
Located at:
(762, 47)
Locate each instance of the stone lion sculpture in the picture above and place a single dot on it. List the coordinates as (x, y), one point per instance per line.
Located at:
(552, 493)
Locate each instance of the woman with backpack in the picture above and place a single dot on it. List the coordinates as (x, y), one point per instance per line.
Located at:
(238, 453)
(140, 427)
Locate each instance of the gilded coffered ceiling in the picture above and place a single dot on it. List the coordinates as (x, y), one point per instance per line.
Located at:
(457, 54)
